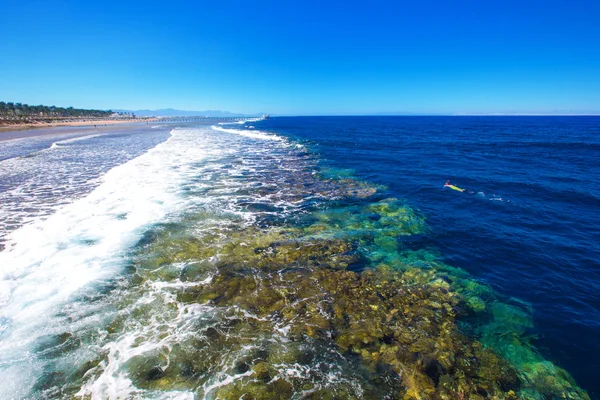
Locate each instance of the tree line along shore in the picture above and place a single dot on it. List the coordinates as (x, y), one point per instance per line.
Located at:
(24, 114)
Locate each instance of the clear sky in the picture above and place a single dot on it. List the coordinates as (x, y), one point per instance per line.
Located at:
(304, 57)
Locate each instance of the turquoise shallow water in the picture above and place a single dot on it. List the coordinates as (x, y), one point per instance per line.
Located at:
(303, 258)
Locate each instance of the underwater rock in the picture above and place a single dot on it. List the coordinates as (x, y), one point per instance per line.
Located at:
(393, 317)
(337, 307)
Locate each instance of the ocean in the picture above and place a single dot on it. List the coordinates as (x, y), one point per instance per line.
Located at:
(304, 258)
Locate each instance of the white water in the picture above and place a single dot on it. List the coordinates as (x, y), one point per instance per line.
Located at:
(49, 261)
(39, 175)
(180, 320)
(60, 143)
(250, 134)
(143, 339)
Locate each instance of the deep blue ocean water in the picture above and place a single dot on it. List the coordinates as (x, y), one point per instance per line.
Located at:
(528, 223)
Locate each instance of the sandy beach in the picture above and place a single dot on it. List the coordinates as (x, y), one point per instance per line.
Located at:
(34, 125)
(10, 132)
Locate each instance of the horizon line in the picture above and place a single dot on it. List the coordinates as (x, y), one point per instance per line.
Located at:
(436, 115)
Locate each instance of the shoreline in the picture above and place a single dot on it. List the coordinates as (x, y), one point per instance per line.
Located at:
(21, 131)
(37, 125)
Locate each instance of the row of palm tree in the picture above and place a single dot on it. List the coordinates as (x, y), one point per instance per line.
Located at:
(15, 112)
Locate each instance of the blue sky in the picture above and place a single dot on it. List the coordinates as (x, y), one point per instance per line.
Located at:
(305, 57)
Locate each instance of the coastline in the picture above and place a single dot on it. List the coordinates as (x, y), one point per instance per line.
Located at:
(19, 131)
(34, 125)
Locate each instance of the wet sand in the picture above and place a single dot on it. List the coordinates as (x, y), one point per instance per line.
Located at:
(26, 131)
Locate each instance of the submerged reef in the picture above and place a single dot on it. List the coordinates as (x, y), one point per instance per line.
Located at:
(336, 308)
(338, 305)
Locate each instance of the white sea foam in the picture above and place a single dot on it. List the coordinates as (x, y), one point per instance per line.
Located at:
(243, 121)
(77, 139)
(251, 134)
(41, 174)
(225, 380)
(232, 123)
(61, 143)
(144, 339)
(48, 261)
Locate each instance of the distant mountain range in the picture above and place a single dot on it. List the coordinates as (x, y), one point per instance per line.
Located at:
(170, 112)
